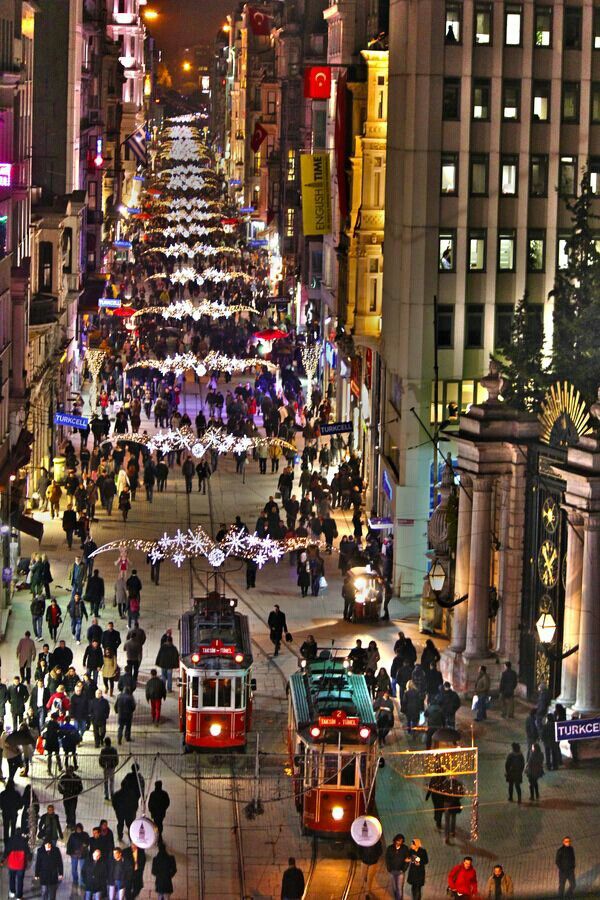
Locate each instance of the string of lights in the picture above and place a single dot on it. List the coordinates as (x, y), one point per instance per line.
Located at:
(180, 309)
(188, 273)
(212, 362)
(185, 440)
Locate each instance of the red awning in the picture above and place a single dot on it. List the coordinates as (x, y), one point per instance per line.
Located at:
(271, 334)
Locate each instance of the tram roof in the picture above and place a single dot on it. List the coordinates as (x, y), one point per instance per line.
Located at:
(203, 627)
(327, 686)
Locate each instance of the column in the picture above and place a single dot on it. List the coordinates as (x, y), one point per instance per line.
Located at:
(568, 680)
(503, 563)
(463, 556)
(588, 670)
(479, 570)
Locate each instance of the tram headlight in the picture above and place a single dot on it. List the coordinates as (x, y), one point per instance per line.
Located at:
(365, 733)
(337, 813)
(315, 731)
(195, 657)
(239, 657)
(215, 729)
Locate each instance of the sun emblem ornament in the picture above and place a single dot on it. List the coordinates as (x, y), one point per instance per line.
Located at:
(564, 417)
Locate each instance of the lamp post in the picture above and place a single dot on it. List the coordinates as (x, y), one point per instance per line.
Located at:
(546, 629)
(437, 578)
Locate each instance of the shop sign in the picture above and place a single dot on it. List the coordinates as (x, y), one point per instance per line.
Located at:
(316, 193)
(5, 174)
(577, 729)
(368, 368)
(71, 421)
(337, 428)
(109, 303)
(355, 368)
(405, 522)
(380, 523)
(330, 354)
(386, 485)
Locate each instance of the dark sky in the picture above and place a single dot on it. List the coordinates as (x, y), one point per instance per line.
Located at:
(185, 22)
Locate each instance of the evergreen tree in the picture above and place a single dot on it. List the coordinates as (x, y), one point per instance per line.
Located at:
(523, 369)
(575, 353)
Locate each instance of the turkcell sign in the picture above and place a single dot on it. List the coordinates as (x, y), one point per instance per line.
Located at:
(337, 428)
(577, 729)
(109, 303)
(71, 421)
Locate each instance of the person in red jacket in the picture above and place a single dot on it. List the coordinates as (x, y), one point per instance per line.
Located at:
(462, 879)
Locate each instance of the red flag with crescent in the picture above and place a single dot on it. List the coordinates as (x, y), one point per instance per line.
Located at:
(259, 21)
(258, 137)
(317, 82)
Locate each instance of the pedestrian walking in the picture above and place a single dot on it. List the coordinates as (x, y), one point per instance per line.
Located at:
(499, 884)
(77, 848)
(70, 786)
(513, 769)
(48, 869)
(49, 827)
(134, 650)
(565, 863)
(167, 659)
(482, 691)
(53, 619)
(124, 708)
(462, 879)
(51, 737)
(508, 686)
(16, 858)
(136, 857)
(111, 639)
(384, 715)
(188, 471)
(69, 524)
(452, 791)
(155, 694)
(93, 659)
(110, 670)
(77, 612)
(292, 882)
(164, 868)
(94, 592)
(551, 745)
(26, 653)
(108, 761)
(11, 801)
(119, 876)
(18, 695)
(534, 769)
(434, 791)
(277, 626)
(76, 576)
(95, 876)
(37, 607)
(397, 858)
(125, 502)
(419, 858)
(158, 804)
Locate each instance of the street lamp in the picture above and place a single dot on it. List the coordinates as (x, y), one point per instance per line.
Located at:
(151, 15)
(546, 629)
(437, 579)
(186, 66)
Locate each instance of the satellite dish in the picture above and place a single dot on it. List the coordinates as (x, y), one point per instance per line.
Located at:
(366, 831)
(143, 833)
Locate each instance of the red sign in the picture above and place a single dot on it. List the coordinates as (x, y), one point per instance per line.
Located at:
(317, 82)
(260, 22)
(216, 648)
(339, 719)
(368, 367)
(355, 368)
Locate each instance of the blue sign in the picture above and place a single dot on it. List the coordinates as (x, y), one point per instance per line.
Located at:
(337, 428)
(386, 484)
(125, 245)
(236, 182)
(109, 303)
(380, 523)
(577, 729)
(71, 421)
(247, 209)
(330, 354)
(258, 242)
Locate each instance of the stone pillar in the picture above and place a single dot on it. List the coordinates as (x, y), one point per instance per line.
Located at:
(588, 670)
(568, 681)
(463, 556)
(503, 561)
(479, 570)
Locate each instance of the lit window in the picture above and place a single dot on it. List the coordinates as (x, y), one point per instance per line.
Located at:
(446, 251)
(291, 165)
(449, 173)
(567, 176)
(453, 23)
(541, 101)
(511, 91)
(477, 251)
(483, 24)
(570, 101)
(536, 244)
(596, 26)
(479, 176)
(562, 256)
(572, 28)
(289, 221)
(594, 170)
(508, 176)
(481, 99)
(543, 26)
(506, 252)
(512, 33)
(538, 180)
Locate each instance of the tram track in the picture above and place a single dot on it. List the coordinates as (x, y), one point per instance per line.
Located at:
(325, 879)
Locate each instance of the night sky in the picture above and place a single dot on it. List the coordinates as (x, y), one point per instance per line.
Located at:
(186, 22)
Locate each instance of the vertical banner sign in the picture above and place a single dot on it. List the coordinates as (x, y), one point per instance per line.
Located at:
(340, 144)
(316, 193)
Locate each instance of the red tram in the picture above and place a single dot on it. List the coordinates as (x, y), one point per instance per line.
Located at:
(215, 689)
(332, 736)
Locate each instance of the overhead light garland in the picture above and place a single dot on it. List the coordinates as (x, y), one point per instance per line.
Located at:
(184, 439)
(194, 543)
(311, 354)
(188, 273)
(181, 309)
(212, 362)
(94, 359)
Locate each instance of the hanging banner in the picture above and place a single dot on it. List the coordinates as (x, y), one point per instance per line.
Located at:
(316, 193)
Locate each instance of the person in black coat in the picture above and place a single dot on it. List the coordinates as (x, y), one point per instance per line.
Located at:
(94, 592)
(434, 791)
(513, 769)
(277, 625)
(11, 802)
(95, 875)
(565, 863)
(137, 860)
(158, 804)
(164, 869)
(370, 856)
(124, 708)
(292, 882)
(49, 867)
(119, 872)
(125, 805)
(419, 858)
(99, 713)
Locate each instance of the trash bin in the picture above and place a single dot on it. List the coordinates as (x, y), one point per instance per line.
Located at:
(60, 467)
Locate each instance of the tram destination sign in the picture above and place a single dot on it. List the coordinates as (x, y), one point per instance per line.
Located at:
(216, 648)
(339, 719)
(577, 729)
(71, 421)
(337, 428)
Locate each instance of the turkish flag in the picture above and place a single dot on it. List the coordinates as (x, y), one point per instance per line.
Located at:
(317, 82)
(258, 137)
(259, 21)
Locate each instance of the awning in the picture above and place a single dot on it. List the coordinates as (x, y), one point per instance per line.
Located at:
(91, 293)
(30, 526)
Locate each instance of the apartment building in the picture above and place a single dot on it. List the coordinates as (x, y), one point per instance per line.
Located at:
(494, 112)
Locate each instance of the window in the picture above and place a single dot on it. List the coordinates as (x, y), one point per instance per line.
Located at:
(447, 251)
(570, 101)
(481, 99)
(595, 111)
(509, 175)
(375, 285)
(378, 182)
(538, 177)
(479, 176)
(542, 32)
(257, 163)
(596, 26)
(512, 26)
(271, 103)
(503, 330)
(562, 254)
(453, 23)
(291, 165)
(536, 251)
(451, 101)
(567, 176)
(476, 250)
(483, 23)
(45, 267)
(289, 221)
(541, 101)
(594, 170)
(225, 692)
(445, 327)
(92, 194)
(193, 681)
(239, 693)
(506, 251)
(209, 692)
(572, 28)
(474, 326)
(511, 99)
(449, 184)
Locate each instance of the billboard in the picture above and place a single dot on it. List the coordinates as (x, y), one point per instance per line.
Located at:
(316, 193)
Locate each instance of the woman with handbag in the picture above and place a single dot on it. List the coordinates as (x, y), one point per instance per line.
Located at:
(415, 875)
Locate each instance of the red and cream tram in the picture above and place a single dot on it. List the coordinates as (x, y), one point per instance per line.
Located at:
(215, 690)
(332, 736)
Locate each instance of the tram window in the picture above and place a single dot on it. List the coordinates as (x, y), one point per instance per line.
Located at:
(193, 692)
(348, 771)
(209, 692)
(239, 693)
(330, 768)
(225, 692)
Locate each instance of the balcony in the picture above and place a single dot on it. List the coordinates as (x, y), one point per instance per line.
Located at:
(43, 310)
